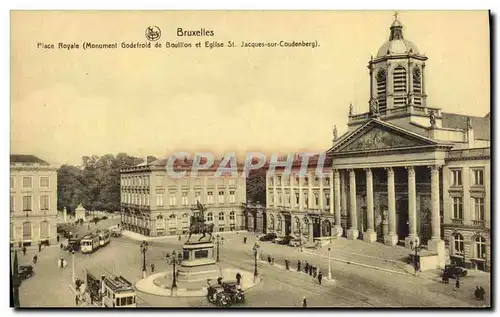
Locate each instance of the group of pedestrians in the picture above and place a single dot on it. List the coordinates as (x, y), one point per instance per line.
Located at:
(312, 270)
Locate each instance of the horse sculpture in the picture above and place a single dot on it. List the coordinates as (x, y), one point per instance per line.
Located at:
(198, 225)
(201, 228)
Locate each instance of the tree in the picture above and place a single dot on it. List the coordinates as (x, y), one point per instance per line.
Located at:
(71, 189)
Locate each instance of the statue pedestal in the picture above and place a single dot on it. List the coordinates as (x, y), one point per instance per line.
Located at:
(198, 263)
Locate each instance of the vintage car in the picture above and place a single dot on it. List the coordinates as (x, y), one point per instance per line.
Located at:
(237, 295)
(217, 295)
(116, 232)
(283, 240)
(294, 242)
(268, 237)
(25, 272)
(454, 271)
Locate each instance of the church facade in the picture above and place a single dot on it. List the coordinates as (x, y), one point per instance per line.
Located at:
(404, 172)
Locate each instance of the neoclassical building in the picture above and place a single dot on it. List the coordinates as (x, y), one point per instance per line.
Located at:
(33, 200)
(155, 204)
(404, 171)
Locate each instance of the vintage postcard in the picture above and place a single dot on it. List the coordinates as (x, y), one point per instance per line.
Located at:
(250, 159)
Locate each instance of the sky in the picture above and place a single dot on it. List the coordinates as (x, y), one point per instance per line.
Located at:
(69, 103)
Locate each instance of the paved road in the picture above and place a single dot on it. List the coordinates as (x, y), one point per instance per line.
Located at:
(353, 286)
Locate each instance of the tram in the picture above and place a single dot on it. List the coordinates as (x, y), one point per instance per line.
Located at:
(111, 291)
(89, 243)
(104, 237)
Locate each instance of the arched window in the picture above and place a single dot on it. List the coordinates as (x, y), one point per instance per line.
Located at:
(381, 89)
(185, 220)
(417, 85)
(210, 217)
(172, 223)
(221, 216)
(160, 217)
(399, 83)
(480, 243)
(458, 244)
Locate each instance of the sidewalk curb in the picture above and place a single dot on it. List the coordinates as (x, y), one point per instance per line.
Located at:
(359, 264)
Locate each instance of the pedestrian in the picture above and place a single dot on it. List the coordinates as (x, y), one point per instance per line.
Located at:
(152, 267)
(298, 265)
(179, 238)
(306, 267)
(457, 283)
(310, 270)
(261, 255)
(320, 277)
(219, 280)
(245, 239)
(77, 301)
(304, 302)
(287, 264)
(477, 293)
(35, 259)
(482, 292)
(272, 260)
(62, 263)
(315, 272)
(24, 250)
(269, 259)
(58, 238)
(39, 247)
(238, 278)
(222, 240)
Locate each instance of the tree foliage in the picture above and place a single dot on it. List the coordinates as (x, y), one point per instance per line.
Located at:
(95, 184)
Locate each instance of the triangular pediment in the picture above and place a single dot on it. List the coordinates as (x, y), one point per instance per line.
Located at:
(378, 135)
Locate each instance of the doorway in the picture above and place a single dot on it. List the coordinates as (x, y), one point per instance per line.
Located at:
(402, 218)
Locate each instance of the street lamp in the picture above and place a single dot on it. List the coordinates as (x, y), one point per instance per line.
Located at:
(73, 265)
(329, 265)
(173, 260)
(255, 252)
(218, 245)
(414, 245)
(144, 249)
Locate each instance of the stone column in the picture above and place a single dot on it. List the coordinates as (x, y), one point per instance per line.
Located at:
(436, 244)
(310, 191)
(369, 235)
(392, 237)
(332, 210)
(352, 232)
(301, 197)
(275, 194)
(343, 192)
(335, 199)
(412, 208)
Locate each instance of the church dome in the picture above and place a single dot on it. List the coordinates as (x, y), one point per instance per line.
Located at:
(397, 44)
(397, 47)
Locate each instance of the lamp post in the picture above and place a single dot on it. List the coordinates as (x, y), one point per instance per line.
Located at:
(73, 266)
(414, 245)
(144, 249)
(173, 260)
(16, 282)
(329, 265)
(218, 244)
(255, 252)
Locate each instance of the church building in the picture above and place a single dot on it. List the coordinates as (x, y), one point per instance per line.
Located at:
(405, 172)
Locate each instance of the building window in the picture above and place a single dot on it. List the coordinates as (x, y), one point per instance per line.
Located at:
(185, 221)
(456, 177)
(478, 177)
(147, 200)
(270, 181)
(197, 181)
(458, 208)
(232, 182)
(44, 182)
(220, 181)
(221, 197)
(458, 244)
(399, 79)
(306, 181)
(306, 200)
(185, 200)
(327, 200)
(232, 197)
(197, 197)
(210, 197)
(27, 203)
(210, 217)
(221, 216)
(478, 208)
(12, 182)
(316, 200)
(44, 202)
(278, 180)
(480, 247)
(231, 216)
(27, 182)
(172, 199)
(12, 203)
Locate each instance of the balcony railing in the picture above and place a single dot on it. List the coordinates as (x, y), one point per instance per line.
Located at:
(457, 221)
(478, 223)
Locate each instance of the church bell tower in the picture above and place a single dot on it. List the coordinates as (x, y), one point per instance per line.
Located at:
(396, 74)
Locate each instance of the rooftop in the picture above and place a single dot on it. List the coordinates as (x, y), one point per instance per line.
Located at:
(480, 125)
(27, 159)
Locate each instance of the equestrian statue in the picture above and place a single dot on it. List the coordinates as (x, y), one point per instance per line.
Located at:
(198, 225)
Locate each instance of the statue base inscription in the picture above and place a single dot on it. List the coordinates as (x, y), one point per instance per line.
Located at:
(198, 262)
